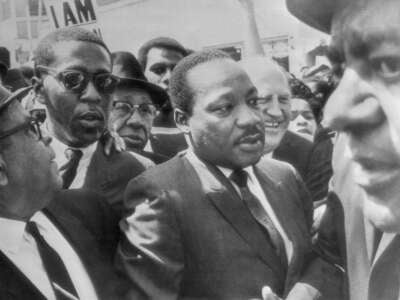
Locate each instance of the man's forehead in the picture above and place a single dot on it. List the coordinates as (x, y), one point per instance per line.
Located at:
(80, 53)
(222, 72)
(364, 24)
(163, 54)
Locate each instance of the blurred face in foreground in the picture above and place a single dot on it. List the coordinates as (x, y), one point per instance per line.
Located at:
(366, 105)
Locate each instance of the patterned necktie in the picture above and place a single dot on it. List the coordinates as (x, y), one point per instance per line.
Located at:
(68, 170)
(240, 177)
(53, 265)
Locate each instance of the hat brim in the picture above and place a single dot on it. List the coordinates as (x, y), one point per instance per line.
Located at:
(315, 13)
(157, 94)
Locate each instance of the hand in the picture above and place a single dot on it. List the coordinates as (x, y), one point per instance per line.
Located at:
(113, 140)
(268, 294)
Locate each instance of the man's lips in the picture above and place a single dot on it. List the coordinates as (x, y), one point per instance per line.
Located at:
(91, 116)
(251, 142)
(272, 124)
(374, 174)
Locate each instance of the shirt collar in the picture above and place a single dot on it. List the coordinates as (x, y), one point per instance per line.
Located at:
(226, 171)
(60, 150)
(11, 234)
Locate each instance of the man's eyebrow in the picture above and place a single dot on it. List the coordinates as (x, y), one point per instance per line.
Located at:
(251, 92)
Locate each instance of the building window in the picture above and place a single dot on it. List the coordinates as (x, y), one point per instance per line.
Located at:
(34, 29)
(22, 30)
(5, 10)
(20, 8)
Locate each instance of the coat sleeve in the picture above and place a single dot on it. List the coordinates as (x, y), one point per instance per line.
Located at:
(150, 251)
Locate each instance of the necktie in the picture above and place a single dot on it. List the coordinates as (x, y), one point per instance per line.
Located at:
(240, 177)
(69, 169)
(53, 265)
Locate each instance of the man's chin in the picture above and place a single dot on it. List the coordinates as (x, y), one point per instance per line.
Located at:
(134, 144)
(382, 215)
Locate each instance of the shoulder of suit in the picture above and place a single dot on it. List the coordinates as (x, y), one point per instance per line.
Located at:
(165, 174)
(275, 168)
(77, 201)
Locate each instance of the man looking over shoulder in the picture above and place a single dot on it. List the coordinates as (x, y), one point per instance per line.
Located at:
(52, 245)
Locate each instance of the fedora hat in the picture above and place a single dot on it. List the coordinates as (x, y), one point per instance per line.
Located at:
(315, 13)
(127, 68)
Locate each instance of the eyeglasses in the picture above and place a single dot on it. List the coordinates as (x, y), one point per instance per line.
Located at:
(77, 81)
(32, 124)
(308, 115)
(124, 109)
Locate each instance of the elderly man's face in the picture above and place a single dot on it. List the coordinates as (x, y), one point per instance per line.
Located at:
(366, 106)
(272, 86)
(77, 118)
(160, 63)
(132, 116)
(32, 175)
(225, 125)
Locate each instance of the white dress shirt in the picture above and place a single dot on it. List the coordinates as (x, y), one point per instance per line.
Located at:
(20, 247)
(62, 158)
(255, 187)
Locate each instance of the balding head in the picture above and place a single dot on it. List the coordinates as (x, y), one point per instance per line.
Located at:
(272, 84)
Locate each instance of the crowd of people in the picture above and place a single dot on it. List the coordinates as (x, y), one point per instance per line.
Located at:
(185, 174)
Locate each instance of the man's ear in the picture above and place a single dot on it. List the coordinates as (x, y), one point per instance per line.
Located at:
(38, 89)
(181, 120)
(3, 172)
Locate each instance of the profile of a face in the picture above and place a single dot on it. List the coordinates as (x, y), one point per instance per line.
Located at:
(366, 107)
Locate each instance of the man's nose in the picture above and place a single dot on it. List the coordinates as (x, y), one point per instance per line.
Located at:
(273, 108)
(352, 105)
(248, 116)
(167, 76)
(135, 118)
(91, 94)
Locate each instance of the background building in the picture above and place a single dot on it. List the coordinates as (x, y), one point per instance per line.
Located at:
(198, 24)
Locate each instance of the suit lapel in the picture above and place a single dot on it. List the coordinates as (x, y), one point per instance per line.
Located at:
(384, 278)
(82, 242)
(225, 198)
(14, 284)
(287, 219)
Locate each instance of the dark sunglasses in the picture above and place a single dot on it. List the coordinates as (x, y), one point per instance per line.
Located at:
(77, 81)
(32, 124)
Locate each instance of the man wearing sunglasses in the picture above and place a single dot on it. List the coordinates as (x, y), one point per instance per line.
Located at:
(53, 245)
(75, 84)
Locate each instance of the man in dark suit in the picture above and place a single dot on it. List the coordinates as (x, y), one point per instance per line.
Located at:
(75, 88)
(213, 223)
(365, 110)
(48, 250)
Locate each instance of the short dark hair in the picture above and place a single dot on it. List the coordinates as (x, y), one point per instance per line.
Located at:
(44, 52)
(181, 93)
(159, 42)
